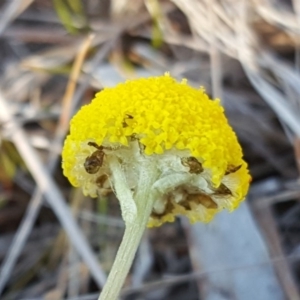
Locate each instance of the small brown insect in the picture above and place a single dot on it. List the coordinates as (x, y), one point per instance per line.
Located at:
(133, 137)
(223, 190)
(103, 185)
(232, 169)
(100, 181)
(93, 162)
(124, 124)
(203, 199)
(194, 165)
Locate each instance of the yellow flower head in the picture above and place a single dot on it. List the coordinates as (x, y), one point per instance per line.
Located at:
(183, 132)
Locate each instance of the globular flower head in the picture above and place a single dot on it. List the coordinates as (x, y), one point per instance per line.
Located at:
(178, 128)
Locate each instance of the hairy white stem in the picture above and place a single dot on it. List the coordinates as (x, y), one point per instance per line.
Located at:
(144, 198)
(122, 191)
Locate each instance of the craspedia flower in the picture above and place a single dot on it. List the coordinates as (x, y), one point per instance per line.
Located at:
(178, 129)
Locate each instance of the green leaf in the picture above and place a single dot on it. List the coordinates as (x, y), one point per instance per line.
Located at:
(157, 35)
(71, 14)
(76, 6)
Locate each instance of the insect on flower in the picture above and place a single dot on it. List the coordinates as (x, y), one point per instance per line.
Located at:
(232, 169)
(194, 165)
(128, 117)
(94, 162)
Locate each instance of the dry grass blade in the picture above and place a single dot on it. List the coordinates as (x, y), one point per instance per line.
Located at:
(187, 277)
(277, 15)
(297, 152)
(266, 220)
(275, 100)
(11, 11)
(50, 191)
(198, 16)
(68, 278)
(215, 56)
(36, 201)
(174, 280)
(69, 93)
(20, 239)
(252, 67)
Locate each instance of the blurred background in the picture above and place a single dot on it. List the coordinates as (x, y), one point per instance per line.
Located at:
(54, 56)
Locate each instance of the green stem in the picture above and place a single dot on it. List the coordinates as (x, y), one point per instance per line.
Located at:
(133, 233)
